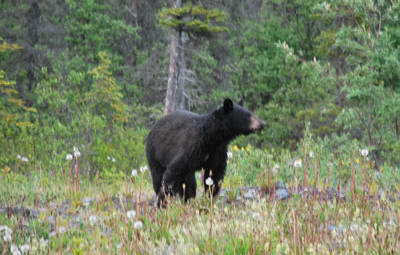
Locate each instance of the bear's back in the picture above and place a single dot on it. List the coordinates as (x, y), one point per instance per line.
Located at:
(174, 133)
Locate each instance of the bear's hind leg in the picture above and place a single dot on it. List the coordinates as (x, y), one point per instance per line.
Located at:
(189, 187)
(157, 173)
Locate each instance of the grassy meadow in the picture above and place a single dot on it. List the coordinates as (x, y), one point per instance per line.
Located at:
(337, 202)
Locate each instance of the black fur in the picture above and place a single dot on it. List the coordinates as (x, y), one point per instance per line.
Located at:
(183, 142)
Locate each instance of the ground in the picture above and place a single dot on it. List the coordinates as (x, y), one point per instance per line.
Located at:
(293, 216)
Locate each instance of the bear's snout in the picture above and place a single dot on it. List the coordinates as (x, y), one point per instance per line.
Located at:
(256, 124)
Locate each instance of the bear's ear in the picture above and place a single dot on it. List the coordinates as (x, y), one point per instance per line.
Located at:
(228, 105)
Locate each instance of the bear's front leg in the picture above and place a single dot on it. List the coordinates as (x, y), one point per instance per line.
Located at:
(214, 172)
(189, 187)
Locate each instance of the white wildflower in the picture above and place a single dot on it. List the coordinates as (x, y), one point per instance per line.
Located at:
(93, 219)
(43, 243)
(14, 250)
(77, 153)
(282, 45)
(143, 169)
(113, 160)
(86, 202)
(311, 154)
(131, 214)
(256, 215)
(24, 159)
(6, 230)
(364, 152)
(275, 169)
(19, 157)
(69, 157)
(138, 224)
(209, 181)
(230, 154)
(134, 172)
(62, 230)
(7, 237)
(297, 163)
(24, 248)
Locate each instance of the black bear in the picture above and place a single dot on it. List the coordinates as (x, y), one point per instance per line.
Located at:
(183, 142)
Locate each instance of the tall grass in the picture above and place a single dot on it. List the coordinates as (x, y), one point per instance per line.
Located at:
(118, 216)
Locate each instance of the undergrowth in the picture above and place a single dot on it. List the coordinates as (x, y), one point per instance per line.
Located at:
(99, 216)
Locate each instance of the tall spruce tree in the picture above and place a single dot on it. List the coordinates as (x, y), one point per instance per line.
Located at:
(185, 21)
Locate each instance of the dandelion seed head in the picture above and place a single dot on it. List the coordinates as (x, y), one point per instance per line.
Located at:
(14, 250)
(93, 219)
(77, 153)
(143, 169)
(275, 168)
(256, 215)
(134, 172)
(137, 225)
(364, 152)
(43, 243)
(62, 230)
(131, 214)
(24, 248)
(6, 230)
(209, 181)
(7, 237)
(297, 163)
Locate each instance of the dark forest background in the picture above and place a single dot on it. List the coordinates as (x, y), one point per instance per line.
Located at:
(93, 74)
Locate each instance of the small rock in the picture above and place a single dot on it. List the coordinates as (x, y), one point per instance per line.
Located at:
(338, 229)
(281, 194)
(333, 193)
(51, 219)
(223, 192)
(87, 201)
(280, 185)
(75, 221)
(251, 192)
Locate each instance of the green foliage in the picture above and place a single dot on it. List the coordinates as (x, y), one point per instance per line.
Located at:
(372, 84)
(286, 89)
(105, 97)
(195, 20)
(91, 29)
(12, 107)
(94, 72)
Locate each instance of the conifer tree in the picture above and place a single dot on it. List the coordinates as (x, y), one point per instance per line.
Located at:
(185, 21)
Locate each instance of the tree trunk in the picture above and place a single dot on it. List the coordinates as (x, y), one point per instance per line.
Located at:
(175, 98)
(33, 17)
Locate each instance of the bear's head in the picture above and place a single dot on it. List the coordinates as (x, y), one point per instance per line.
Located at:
(238, 120)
